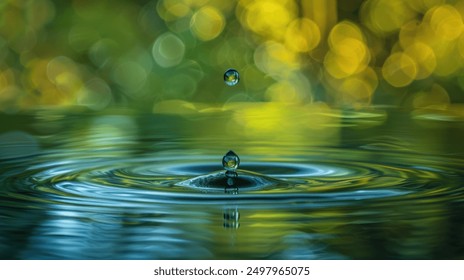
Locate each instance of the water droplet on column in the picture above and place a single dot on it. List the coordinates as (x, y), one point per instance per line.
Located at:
(230, 181)
(231, 77)
(230, 161)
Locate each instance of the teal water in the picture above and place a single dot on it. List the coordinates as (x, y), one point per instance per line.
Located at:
(122, 185)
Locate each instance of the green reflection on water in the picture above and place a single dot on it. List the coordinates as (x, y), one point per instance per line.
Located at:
(360, 185)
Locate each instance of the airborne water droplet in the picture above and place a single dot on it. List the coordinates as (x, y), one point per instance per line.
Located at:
(230, 161)
(231, 77)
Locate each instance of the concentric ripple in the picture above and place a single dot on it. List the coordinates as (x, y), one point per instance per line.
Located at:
(331, 184)
(136, 182)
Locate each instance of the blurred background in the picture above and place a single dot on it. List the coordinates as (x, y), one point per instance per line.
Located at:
(105, 105)
(170, 55)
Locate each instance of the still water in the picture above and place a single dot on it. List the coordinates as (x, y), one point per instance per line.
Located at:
(382, 184)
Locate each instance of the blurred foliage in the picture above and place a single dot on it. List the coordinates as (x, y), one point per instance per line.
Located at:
(170, 55)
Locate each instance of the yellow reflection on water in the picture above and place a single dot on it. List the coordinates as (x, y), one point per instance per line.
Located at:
(290, 123)
(244, 124)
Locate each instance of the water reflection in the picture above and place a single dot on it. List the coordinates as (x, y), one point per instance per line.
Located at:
(17, 144)
(143, 187)
(231, 217)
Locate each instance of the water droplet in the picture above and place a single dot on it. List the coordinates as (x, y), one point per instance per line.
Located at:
(231, 77)
(230, 161)
(230, 182)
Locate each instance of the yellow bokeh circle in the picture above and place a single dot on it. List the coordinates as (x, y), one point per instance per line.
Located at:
(302, 35)
(348, 57)
(343, 30)
(268, 18)
(446, 22)
(389, 15)
(399, 69)
(424, 57)
(207, 23)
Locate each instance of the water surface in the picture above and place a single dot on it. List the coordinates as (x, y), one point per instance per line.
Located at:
(383, 184)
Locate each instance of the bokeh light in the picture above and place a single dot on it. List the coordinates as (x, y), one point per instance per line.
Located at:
(399, 70)
(168, 50)
(121, 53)
(207, 23)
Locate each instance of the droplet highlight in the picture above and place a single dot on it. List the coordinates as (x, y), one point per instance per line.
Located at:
(231, 77)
